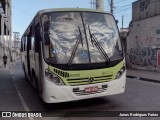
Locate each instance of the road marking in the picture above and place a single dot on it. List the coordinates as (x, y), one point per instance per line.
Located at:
(20, 96)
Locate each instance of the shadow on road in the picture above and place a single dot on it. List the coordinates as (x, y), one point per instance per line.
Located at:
(94, 104)
(76, 104)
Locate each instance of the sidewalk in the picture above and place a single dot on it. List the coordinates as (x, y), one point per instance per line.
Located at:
(9, 99)
(144, 75)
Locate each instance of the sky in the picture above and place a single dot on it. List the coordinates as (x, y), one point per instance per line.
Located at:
(23, 11)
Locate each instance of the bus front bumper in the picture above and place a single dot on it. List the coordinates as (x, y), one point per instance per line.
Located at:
(56, 94)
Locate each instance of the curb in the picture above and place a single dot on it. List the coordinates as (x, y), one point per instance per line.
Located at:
(144, 79)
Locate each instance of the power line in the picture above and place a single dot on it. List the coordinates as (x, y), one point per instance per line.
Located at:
(119, 11)
(124, 5)
(112, 7)
(124, 9)
(119, 1)
(109, 2)
(22, 12)
(93, 4)
(129, 6)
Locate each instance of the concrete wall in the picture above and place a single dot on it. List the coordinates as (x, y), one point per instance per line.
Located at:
(142, 9)
(143, 44)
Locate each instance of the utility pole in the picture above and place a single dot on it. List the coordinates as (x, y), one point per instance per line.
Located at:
(8, 15)
(100, 5)
(10, 30)
(6, 22)
(122, 22)
(111, 6)
(93, 4)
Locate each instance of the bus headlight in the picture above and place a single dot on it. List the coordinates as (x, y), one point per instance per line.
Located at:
(53, 78)
(119, 74)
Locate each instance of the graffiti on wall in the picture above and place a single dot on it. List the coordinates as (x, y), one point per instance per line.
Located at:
(158, 31)
(144, 5)
(143, 56)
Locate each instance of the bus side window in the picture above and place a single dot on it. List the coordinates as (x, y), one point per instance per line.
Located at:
(26, 42)
(32, 38)
(37, 38)
(22, 44)
(29, 40)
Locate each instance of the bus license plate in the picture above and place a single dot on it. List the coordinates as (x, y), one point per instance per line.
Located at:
(91, 89)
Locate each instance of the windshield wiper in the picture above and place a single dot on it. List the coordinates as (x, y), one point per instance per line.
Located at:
(76, 46)
(80, 35)
(98, 46)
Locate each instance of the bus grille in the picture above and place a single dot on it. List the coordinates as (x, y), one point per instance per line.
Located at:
(85, 81)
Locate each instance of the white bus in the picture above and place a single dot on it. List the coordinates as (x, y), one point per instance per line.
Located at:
(73, 54)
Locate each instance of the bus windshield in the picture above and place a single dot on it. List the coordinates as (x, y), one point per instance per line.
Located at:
(67, 30)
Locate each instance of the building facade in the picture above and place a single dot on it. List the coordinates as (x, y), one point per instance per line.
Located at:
(5, 27)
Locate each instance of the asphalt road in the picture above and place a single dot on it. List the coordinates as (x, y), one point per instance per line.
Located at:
(18, 95)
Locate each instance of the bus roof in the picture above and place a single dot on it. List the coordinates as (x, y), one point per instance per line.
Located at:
(69, 9)
(64, 9)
